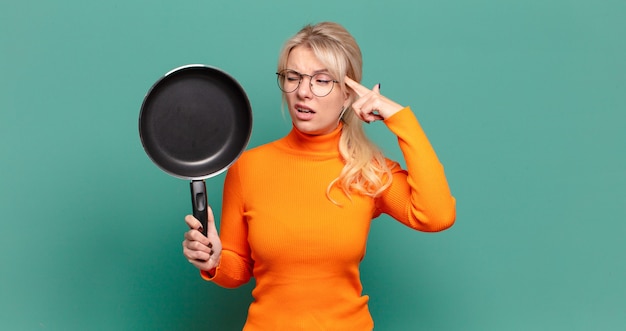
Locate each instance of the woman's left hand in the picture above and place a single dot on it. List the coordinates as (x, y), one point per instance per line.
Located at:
(371, 105)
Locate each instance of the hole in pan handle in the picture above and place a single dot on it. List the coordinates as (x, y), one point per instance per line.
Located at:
(199, 202)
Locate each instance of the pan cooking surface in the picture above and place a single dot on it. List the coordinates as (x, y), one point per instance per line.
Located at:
(195, 122)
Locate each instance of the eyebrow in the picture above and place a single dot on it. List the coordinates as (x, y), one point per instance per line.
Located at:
(320, 71)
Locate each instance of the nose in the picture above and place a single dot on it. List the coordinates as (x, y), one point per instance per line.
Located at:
(304, 88)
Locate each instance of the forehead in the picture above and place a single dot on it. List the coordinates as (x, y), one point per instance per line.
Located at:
(303, 60)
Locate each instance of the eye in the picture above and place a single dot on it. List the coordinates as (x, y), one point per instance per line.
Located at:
(292, 76)
(323, 79)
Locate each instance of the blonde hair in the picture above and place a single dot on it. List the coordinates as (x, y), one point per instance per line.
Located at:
(366, 170)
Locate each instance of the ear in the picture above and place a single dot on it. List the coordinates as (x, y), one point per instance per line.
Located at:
(347, 103)
(348, 97)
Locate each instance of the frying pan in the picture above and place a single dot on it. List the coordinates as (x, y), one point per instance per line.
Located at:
(195, 121)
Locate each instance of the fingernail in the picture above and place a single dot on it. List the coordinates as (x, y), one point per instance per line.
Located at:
(210, 245)
(379, 86)
(211, 252)
(201, 229)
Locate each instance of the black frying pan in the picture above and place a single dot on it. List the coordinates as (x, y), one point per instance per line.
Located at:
(194, 123)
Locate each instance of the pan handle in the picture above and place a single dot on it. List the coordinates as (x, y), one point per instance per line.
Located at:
(199, 203)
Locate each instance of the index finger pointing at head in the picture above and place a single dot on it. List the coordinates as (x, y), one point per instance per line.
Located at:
(358, 88)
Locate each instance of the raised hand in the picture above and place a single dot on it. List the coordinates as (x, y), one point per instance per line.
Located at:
(371, 105)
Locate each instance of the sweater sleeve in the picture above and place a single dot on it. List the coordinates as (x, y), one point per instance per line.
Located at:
(418, 197)
(235, 267)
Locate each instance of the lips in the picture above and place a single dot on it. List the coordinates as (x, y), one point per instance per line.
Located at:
(304, 113)
(304, 109)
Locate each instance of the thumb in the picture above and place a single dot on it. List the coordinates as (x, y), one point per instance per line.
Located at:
(376, 88)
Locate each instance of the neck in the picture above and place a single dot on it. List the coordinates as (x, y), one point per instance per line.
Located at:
(315, 143)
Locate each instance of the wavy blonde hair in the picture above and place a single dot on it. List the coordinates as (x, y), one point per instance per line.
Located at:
(366, 170)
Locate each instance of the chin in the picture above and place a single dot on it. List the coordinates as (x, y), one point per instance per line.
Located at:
(305, 127)
(312, 129)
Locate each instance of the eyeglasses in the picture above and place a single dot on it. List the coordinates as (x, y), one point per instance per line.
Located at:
(321, 84)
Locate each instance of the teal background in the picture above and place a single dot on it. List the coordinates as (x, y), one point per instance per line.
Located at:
(525, 102)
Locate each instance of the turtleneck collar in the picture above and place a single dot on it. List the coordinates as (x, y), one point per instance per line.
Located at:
(314, 144)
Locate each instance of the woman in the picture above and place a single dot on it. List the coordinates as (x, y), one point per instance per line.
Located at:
(297, 211)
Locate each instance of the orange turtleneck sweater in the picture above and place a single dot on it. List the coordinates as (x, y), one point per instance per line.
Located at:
(304, 251)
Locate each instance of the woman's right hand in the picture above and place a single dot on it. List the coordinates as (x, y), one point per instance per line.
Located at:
(202, 251)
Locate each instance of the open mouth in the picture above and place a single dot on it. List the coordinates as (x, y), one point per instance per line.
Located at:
(303, 112)
(304, 109)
